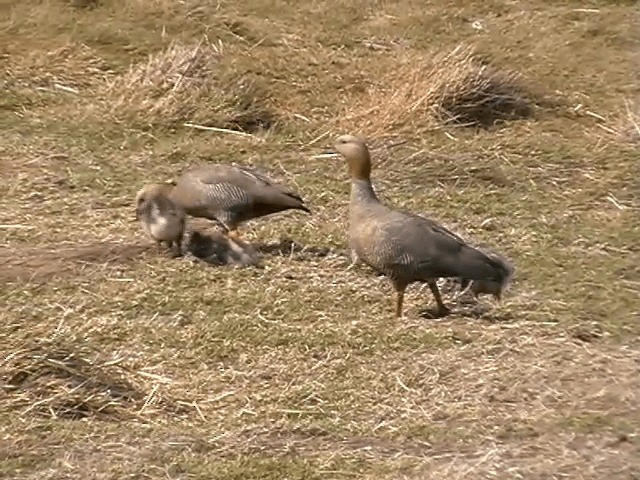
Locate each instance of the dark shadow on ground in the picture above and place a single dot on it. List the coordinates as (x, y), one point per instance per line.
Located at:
(40, 263)
(291, 248)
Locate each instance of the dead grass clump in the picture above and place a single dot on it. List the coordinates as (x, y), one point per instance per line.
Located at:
(452, 88)
(188, 83)
(69, 68)
(470, 93)
(57, 382)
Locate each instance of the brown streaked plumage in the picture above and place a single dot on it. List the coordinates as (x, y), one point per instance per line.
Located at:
(407, 247)
(232, 195)
(160, 217)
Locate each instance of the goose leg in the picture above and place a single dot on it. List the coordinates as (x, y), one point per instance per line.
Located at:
(465, 286)
(400, 288)
(354, 260)
(442, 309)
(230, 228)
(222, 225)
(176, 248)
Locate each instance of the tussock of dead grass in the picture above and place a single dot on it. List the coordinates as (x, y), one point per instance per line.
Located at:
(467, 92)
(54, 381)
(187, 83)
(451, 88)
(71, 66)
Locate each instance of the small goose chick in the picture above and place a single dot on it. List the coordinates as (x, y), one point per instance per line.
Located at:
(406, 247)
(160, 218)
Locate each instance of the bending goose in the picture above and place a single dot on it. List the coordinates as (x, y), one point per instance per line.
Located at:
(232, 195)
(406, 247)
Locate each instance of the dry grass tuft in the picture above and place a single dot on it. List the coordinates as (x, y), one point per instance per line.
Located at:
(52, 381)
(70, 67)
(187, 83)
(450, 88)
(464, 91)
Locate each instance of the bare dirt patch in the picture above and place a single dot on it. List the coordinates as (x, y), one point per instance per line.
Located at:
(40, 263)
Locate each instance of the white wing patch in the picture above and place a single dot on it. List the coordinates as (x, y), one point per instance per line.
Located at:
(406, 259)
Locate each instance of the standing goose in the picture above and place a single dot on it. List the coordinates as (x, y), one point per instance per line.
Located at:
(232, 195)
(160, 217)
(406, 247)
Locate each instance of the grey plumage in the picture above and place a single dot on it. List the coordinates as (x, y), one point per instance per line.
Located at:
(160, 218)
(407, 247)
(492, 287)
(232, 195)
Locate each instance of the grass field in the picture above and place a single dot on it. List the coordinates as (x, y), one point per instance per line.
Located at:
(119, 362)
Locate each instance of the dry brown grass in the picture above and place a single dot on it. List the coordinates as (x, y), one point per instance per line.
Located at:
(118, 362)
(630, 128)
(186, 83)
(425, 92)
(622, 124)
(70, 67)
(54, 382)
